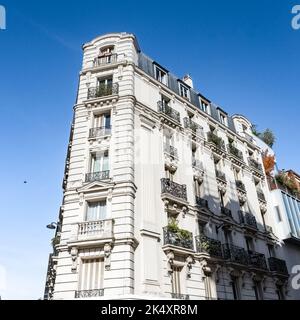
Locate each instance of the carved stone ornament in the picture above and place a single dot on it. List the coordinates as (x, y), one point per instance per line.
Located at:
(107, 256)
(74, 255)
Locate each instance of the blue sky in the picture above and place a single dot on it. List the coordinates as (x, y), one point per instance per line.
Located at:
(243, 55)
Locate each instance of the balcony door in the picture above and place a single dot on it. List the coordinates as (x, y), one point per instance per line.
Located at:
(100, 162)
(96, 211)
(91, 274)
(105, 82)
(102, 121)
(176, 286)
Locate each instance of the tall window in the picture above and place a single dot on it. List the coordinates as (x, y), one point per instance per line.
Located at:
(106, 51)
(204, 106)
(250, 244)
(91, 274)
(184, 91)
(102, 121)
(176, 287)
(228, 236)
(105, 86)
(235, 288)
(223, 118)
(198, 188)
(257, 287)
(96, 211)
(160, 75)
(100, 162)
(271, 250)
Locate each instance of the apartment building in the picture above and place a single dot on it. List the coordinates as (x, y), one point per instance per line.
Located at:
(165, 194)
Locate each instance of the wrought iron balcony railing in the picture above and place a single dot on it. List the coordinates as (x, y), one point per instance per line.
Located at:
(200, 202)
(95, 229)
(258, 260)
(278, 265)
(196, 128)
(174, 189)
(100, 132)
(210, 246)
(177, 239)
(104, 60)
(172, 151)
(260, 195)
(103, 91)
(227, 212)
(89, 293)
(169, 111)
(97, 176)
(235, 152)
(197, 164)
(217, 141)
(240, 185)
(220, 175)
(247, 219)
(235, 254)
(180, 296)
(254, 164)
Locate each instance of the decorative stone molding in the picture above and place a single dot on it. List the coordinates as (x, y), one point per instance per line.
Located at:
(206, 270)
(263, 206)
(107, 256)
(198, 175)
(74, 255)
(170, 262)
(242, 196)
(189, 262)
(221, 186)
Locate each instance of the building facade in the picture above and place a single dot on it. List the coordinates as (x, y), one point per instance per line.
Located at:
(165, 194)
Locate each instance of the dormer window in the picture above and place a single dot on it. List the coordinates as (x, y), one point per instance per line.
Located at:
(184, 91)
(223, 118)
(204, 106)
(106, 51)
(160, 75)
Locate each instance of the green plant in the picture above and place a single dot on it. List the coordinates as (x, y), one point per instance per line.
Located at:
(173, 225)
(184, 234)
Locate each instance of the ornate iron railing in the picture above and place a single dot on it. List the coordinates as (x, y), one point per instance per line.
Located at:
(97, 176)
(240, 185)
(227, 212)
(176, 239)
(196, 128)
(172, 151)
(220, 175)
(217, 141)
(278, 265)
(104, 60)
(210, 246)
(254, 164)
(197, 164)
(235, 254)
(169, 111)
(200, 202)
(173, 188)
(258, 260)
(248, 219)
(89, 293)
(180, 296)
(100, 132)
(235, 151)
(260, 195)
(103, 90)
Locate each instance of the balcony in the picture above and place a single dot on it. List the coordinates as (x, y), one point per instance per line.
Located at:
(217, 141)
(172, 151)
(178, 238)
(235, 254)
(260, 195)
(89, 293)
(105, 60)
(210, 246)
(247, 219)
(258, 260)
(168, 111)
(202, 203)
(95, 229)
(255, 165)
(220, 175)
(103, 91)
(235, 152)
(240, 185)
(174, 189)
(268, 229)
(278, 266)
(100, 132)
(97, 176)
(180, 296)
(194, 127)
(227, 212)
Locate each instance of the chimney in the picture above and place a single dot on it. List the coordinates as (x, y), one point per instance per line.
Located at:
(188, 80)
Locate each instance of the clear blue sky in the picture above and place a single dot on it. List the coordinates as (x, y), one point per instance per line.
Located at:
(243, 55)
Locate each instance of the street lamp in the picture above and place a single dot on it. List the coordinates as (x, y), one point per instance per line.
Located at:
(54, 225)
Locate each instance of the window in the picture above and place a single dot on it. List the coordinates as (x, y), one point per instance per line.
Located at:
(105, 86)
(102, 121)
(250, 244)
(235, 288)
(184, 91)
(271, 250)
(280, 293)
(100, 162)
(160, 75)
(198, 188)
(237, 174)
(204, 106)
(228, 237)
(96, 211)
(176, 287)
(223, 118)
(106, 51)
(258, 290)
(91, 274)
